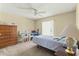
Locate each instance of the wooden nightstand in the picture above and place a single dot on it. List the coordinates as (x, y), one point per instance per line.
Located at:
(60, 51)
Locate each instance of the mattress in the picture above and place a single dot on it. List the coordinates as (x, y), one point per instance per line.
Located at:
(47, 41)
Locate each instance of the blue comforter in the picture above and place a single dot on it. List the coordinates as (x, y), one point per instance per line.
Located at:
(49, 42)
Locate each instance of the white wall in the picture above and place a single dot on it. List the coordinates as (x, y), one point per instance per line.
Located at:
(60, 21)
(22, 23)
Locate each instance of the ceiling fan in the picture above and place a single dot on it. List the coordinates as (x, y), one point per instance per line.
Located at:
(36, 11)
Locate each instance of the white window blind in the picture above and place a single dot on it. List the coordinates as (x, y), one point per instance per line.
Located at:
(48, 28)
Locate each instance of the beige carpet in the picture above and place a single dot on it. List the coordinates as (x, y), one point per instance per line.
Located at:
(25, 49)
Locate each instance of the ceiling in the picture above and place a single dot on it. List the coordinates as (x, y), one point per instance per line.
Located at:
(37, 10)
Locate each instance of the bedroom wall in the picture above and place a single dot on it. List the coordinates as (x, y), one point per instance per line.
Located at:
(77, 17)
(60, 21)
(22, 23)
(63, 20)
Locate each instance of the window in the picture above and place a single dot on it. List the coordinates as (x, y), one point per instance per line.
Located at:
(48, 28)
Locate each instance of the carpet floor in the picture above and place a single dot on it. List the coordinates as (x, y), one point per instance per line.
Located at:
(25, 49)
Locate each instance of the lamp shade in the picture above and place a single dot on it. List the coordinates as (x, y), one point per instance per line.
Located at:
(71, 30)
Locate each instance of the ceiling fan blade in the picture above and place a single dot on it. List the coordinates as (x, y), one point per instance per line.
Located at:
(42, 12)
(23, 8)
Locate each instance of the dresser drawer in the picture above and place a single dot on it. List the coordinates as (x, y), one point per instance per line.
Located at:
(7, 44)
(7, 40)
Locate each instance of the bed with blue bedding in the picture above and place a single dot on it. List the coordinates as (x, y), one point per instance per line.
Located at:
(49, 42)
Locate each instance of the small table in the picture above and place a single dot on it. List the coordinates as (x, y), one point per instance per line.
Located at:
(60, 51)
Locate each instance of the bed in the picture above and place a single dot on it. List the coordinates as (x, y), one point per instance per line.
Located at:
(49, 42)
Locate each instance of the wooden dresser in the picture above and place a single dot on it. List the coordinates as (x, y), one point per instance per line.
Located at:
(8, 35)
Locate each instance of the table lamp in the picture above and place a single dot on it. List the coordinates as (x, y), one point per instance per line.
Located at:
(72, 34)
(70, 43)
